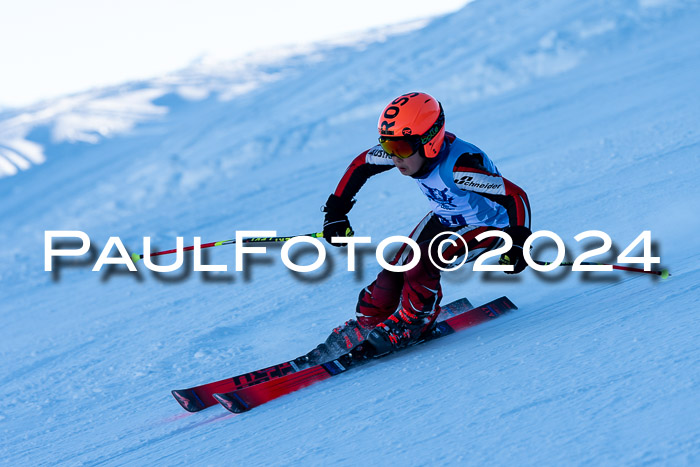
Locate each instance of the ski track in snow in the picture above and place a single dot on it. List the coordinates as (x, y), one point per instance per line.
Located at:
(592, 108)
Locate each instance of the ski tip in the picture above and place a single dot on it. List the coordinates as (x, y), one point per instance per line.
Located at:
(187, 400)
(232, 402)
(665, 274)
(510, 303)
(135, 257)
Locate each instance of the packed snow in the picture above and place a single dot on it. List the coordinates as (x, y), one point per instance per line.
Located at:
(591, 107)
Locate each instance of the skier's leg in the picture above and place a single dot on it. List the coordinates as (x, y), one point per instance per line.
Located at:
(421, 293)
(381, 298)
(375, 304)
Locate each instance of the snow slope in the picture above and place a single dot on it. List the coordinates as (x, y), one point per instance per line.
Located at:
(592, 107)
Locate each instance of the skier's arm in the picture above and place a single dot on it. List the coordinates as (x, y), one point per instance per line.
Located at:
(471, 175)
(364, 166)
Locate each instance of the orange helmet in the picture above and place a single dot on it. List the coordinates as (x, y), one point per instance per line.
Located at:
(415, 117)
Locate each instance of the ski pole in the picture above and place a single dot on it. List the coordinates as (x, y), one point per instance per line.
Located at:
(135, 256)
(663, 273)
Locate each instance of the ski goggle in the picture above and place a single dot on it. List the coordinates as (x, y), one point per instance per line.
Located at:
(400, 147)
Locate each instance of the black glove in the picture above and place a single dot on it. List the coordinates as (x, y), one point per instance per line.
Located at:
(336, 223)
(519, 234)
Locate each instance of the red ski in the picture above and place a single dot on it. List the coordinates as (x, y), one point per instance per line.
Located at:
(200, 397)
(244, 399)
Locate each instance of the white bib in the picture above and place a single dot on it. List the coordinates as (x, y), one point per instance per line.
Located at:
(453, 206)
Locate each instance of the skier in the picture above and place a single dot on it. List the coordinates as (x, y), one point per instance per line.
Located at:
(468, 196)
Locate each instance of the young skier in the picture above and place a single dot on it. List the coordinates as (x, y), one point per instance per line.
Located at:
(468, 196)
